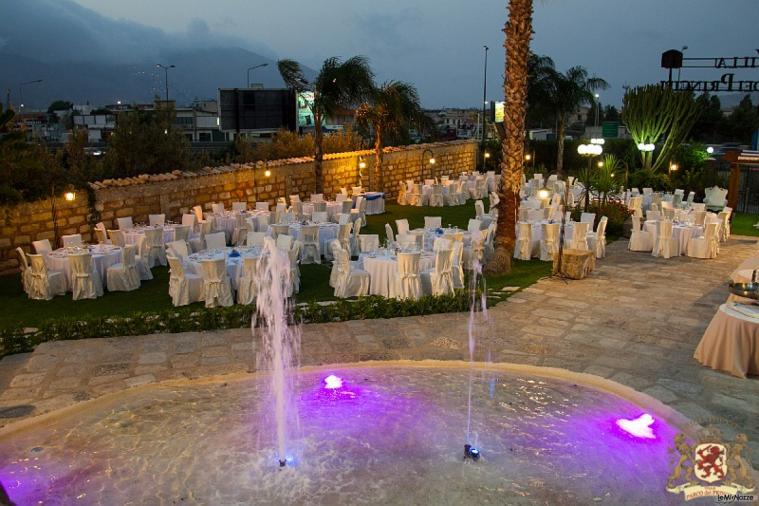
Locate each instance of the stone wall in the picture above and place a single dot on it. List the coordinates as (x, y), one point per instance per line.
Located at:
(176, 193)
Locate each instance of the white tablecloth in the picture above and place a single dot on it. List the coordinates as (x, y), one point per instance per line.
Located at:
(132, 235)
(327, 232)
(383, 270)
(103, 256)
(234, 263)
(375, 202)
(731, 342)
(681, 235)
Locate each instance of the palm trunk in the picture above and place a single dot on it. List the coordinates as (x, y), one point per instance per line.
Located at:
(379, 178)
(518, 32)
(560, 129)
(318, 153)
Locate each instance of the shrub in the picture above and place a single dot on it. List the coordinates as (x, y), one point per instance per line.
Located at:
(616, 212)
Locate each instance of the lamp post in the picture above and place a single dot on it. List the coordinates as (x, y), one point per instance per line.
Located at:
(672, 168)
(254, 67)
(165, 76)
(484, 102)
(598, 106)
(589, 151)
(431, 161)
(21, 90)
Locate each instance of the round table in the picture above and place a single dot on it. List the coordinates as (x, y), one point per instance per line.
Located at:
(383, 269)
(234, 263)
(103, 256)
(375, 202)
(681, 234)
(731, 341)
(132, 235)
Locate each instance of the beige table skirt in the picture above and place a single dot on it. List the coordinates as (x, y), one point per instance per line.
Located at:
(730, 343)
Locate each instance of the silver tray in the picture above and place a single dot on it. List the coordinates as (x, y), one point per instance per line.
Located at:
(748, 290)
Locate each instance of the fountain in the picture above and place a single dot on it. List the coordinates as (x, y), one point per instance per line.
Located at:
(470, 451)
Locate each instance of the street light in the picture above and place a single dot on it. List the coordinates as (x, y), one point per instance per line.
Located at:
(21, 90)
(484, 101)
(165, 76)
(598, 105)
(254, 67)
(710, 150)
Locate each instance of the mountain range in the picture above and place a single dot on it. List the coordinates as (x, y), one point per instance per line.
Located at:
(84, 57)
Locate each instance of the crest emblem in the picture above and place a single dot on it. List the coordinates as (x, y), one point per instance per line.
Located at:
(710, 462)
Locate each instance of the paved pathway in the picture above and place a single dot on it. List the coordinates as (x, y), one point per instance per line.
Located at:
(636, 320)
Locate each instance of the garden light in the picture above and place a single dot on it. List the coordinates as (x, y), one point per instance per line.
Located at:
(70, 196)
(646, 148)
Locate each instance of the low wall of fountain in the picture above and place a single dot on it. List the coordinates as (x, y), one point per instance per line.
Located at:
(175, 193)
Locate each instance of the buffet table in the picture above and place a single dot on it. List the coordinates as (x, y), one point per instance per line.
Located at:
(731, 341)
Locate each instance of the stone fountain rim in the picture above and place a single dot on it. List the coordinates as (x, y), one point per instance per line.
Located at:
(644, 401)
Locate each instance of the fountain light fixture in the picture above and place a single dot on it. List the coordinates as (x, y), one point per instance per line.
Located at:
(646, 147)
(590, 149)
(710, 150)
(470, 452)
(600, 141)
(70, 196)
(638, 427)
(333, 382)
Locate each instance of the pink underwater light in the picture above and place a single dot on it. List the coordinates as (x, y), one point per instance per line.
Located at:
(333, 382)
(639, 427)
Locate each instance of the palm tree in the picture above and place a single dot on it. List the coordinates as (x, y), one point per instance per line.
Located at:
(569, 91)
(391, 110)
(339, 84)
(518, 32)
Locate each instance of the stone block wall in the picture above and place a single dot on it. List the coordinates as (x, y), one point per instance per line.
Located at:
(176, 193)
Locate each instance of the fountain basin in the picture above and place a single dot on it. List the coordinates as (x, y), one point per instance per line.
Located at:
(390, 433)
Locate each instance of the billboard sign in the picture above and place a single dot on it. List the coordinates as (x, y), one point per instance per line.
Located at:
(257, 110)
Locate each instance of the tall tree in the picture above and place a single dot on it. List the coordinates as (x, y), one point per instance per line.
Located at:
(568, 92)
(657, 114)
(393, 108)
(540, 75)
(339, 84)
(518, 32)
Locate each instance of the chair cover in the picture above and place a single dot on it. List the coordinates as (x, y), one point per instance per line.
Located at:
(141, 260)
(597, 241)
(580, 236)
(101, 236)
(724, 229)
(340, 197)
(479, 209)
(368, 242)
(441, 243)
(589, 218)
(217, 240)
(85, 281)
(473, 225)
(320, 217)
(706, 246)
(360, 210)
(439, 281)
(653, 215)
(182, 232)
(640, 240)
(389, 233)
(217, 289)
(154, 250)
(262, 206)
(699, 218)
(311, 250)
(348, 282)
(402, 226)
(157, 220)
(663, 246)
(433, 222)
(284, 242)
(409, 281)
(549, 243)
(523, 246)
(333, 245)
(256, 239)
(125, 223)
(401, 199)
(178, 249)
(277, 230)
(344, 235)
(123, 277)
(217, 208)
(408, 241)
(117, 237)
(354, 250)
(436, 196)
(184, 288)
(247, 287)
(294, 255)
(43, 284)
(198, 212)
(189, 220)
(42, 247)
(457, 261)
(26, 272)
(239, 207)
(72, 240)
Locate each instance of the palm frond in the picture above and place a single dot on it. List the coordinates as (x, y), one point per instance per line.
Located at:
(292, 74)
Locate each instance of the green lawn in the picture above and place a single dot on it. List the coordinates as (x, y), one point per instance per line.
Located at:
(153, 295)
(743, 224)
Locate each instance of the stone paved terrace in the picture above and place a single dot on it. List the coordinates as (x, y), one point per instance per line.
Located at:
(636, 321)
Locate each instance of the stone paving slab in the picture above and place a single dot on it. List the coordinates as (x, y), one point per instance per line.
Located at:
(636, 321)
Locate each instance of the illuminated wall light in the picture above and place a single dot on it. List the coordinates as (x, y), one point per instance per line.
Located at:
(267, 173)
(527, 157)
(70, 196)
(432, 161)
(487, 155)
(362, 165)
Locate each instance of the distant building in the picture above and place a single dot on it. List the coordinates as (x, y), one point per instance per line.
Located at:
(456, 123)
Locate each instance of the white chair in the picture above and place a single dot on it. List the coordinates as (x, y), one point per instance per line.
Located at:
(247, 283)
(262, 206)
(436, 196)
(256, 239)
(310, 250)
(344, 236)
(217, 289)
(341, 197)
(706, 246)
(117, 237)
(85, 280)
(360, 210)
(474, 226)
(724, 221)
(597, 239)
(198, 243)
(640, 240)
(407, 241)
(182, 232)
(413, 194)
(154, 250)
(178, 249)
(189, 220)
(239, 207)
(294, 255)
(663, 246)
(457, 270)
(26, 271)
(589, 218)
(697, 206)
(439, 281)
(389, 233)
(125, 223)
(157, 220)
(441, 243)
(42, 283)
(240, 232)
(699, 218)
(368, 243)
(401, 199)
(549, 243)
(123, 276)
(402, 226)
(580, 236)
(198, 212)
(101, 235)
(142, 263)
(409, 283)
(357, 190)
(215, 241)
(184, 287)
(433, 222)
(715, 198)
(479, 209)
(217, 208)
(523, 246)
(263, 222)
(320, 217)
(284, 242)
(354, 251)
(72, 240)
(348, 281)
(653, 215)
(279, 229)
(42, 247)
